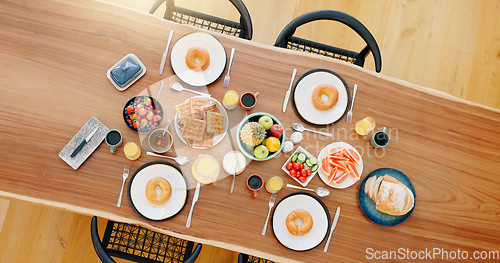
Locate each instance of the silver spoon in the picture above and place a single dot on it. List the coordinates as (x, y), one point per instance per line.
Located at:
(320, 191)
(158, 95)
(300, 128)
(180, 160)
(166, 127)
(178, 87)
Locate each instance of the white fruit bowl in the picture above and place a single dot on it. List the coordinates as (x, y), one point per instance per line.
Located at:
(248, 151)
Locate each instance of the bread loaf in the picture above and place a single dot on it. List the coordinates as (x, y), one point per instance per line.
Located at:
(390, 195)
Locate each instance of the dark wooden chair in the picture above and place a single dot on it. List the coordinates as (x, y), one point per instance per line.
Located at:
(287, 40)
(242, 29)
(139, 244)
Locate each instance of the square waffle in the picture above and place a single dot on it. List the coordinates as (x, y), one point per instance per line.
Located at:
(208, 140)
(193, 129)
(215, 122)
(183, 109)
(197, 106)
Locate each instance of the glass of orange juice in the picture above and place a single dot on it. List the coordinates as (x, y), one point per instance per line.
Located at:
(230, 100)
(364, 126)
(274, 184)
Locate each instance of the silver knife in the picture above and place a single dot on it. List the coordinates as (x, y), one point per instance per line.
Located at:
(86, 140)
(334, 223)
(287, 95)
(195, 198)
(164, 57)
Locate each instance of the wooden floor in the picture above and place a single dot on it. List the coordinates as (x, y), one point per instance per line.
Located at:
(450, 46)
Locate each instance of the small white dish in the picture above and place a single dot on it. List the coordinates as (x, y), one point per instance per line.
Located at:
(310, 177)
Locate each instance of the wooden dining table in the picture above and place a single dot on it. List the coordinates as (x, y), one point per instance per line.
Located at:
(54, 56)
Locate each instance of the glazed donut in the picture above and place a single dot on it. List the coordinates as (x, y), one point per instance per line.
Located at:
(197, 53)
(166, 190)
(328, 90)
(296, 229)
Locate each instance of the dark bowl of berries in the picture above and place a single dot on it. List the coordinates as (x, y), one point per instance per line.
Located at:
(142, 114)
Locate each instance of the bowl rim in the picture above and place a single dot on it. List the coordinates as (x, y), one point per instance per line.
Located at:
(242, 147)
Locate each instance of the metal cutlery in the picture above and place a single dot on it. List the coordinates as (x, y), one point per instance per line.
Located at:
(180, 159)
(195, 199)
(159, 91)
(271, 204)
(349, 114)
(287, 95)
(86, 140)
(320, 191)
(178, 87)
(334, 223)
(126, 170)
(164, 57)
(227, 78)
(300, 128)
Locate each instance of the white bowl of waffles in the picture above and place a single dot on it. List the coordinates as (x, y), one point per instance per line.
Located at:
(201, 122)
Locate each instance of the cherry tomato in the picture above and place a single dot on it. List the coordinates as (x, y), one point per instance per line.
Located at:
(303, 172)
(293, 173)
(296, 166)
(301, 166)
(302, 179)
(309, 172)
(289, 166)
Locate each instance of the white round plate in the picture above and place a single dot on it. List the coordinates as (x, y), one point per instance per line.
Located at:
(324, 177)
(217, 137)
(302, 94)
(321, 221)
(137, 191)
(198, 78)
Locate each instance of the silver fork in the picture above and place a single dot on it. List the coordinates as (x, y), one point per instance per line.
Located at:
(271, 204)
(349, 114)
(227, 78)
(125, 176)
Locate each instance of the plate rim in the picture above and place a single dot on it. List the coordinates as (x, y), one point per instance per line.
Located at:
(325, 208)
(362, 192)
(149, 164)
(348, 92)
(184, 82)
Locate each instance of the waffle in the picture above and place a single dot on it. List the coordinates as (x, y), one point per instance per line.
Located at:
(208, 140)
(183, 109)
(197, 106)
(215, 122)
(193, 129)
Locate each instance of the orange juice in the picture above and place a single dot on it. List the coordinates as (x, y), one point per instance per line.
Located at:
(132, 151)
(205, 169)
(274, 184)
(230, 100)
(364, 126)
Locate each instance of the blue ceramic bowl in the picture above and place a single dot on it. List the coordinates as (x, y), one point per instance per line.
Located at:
(248, 151)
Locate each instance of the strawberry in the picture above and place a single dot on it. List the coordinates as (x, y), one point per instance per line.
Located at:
(134, 124)
(149, 116)
(130, 109)
(157, 118)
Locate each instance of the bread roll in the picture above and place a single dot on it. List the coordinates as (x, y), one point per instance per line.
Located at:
(390, 195)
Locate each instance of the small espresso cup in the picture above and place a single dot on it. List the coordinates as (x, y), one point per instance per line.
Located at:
(255, 183)
(113, 139)
(248, 100)
(380, 139)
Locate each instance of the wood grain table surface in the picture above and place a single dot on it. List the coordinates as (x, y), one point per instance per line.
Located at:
(53, 59)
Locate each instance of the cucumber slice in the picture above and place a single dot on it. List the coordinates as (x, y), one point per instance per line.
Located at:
(313, 160)
(294, 157)
(314, 168)
(308, 163)
(301, 158)
(307, 167)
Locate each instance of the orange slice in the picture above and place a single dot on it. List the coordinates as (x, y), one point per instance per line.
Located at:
(342, 177)
(335, 150)
(353, 172)
(353, 156)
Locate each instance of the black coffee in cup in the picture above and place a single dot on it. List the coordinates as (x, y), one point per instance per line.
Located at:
(254, 182)
(113, 137)
(381, 138)
(248, 100)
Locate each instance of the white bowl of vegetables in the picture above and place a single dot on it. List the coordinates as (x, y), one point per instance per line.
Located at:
(301, 166)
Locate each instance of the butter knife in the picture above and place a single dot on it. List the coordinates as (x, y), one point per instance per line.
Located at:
(164, 57)
(195, 198)
(334, 223)
(86, 140)
(287, 95)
